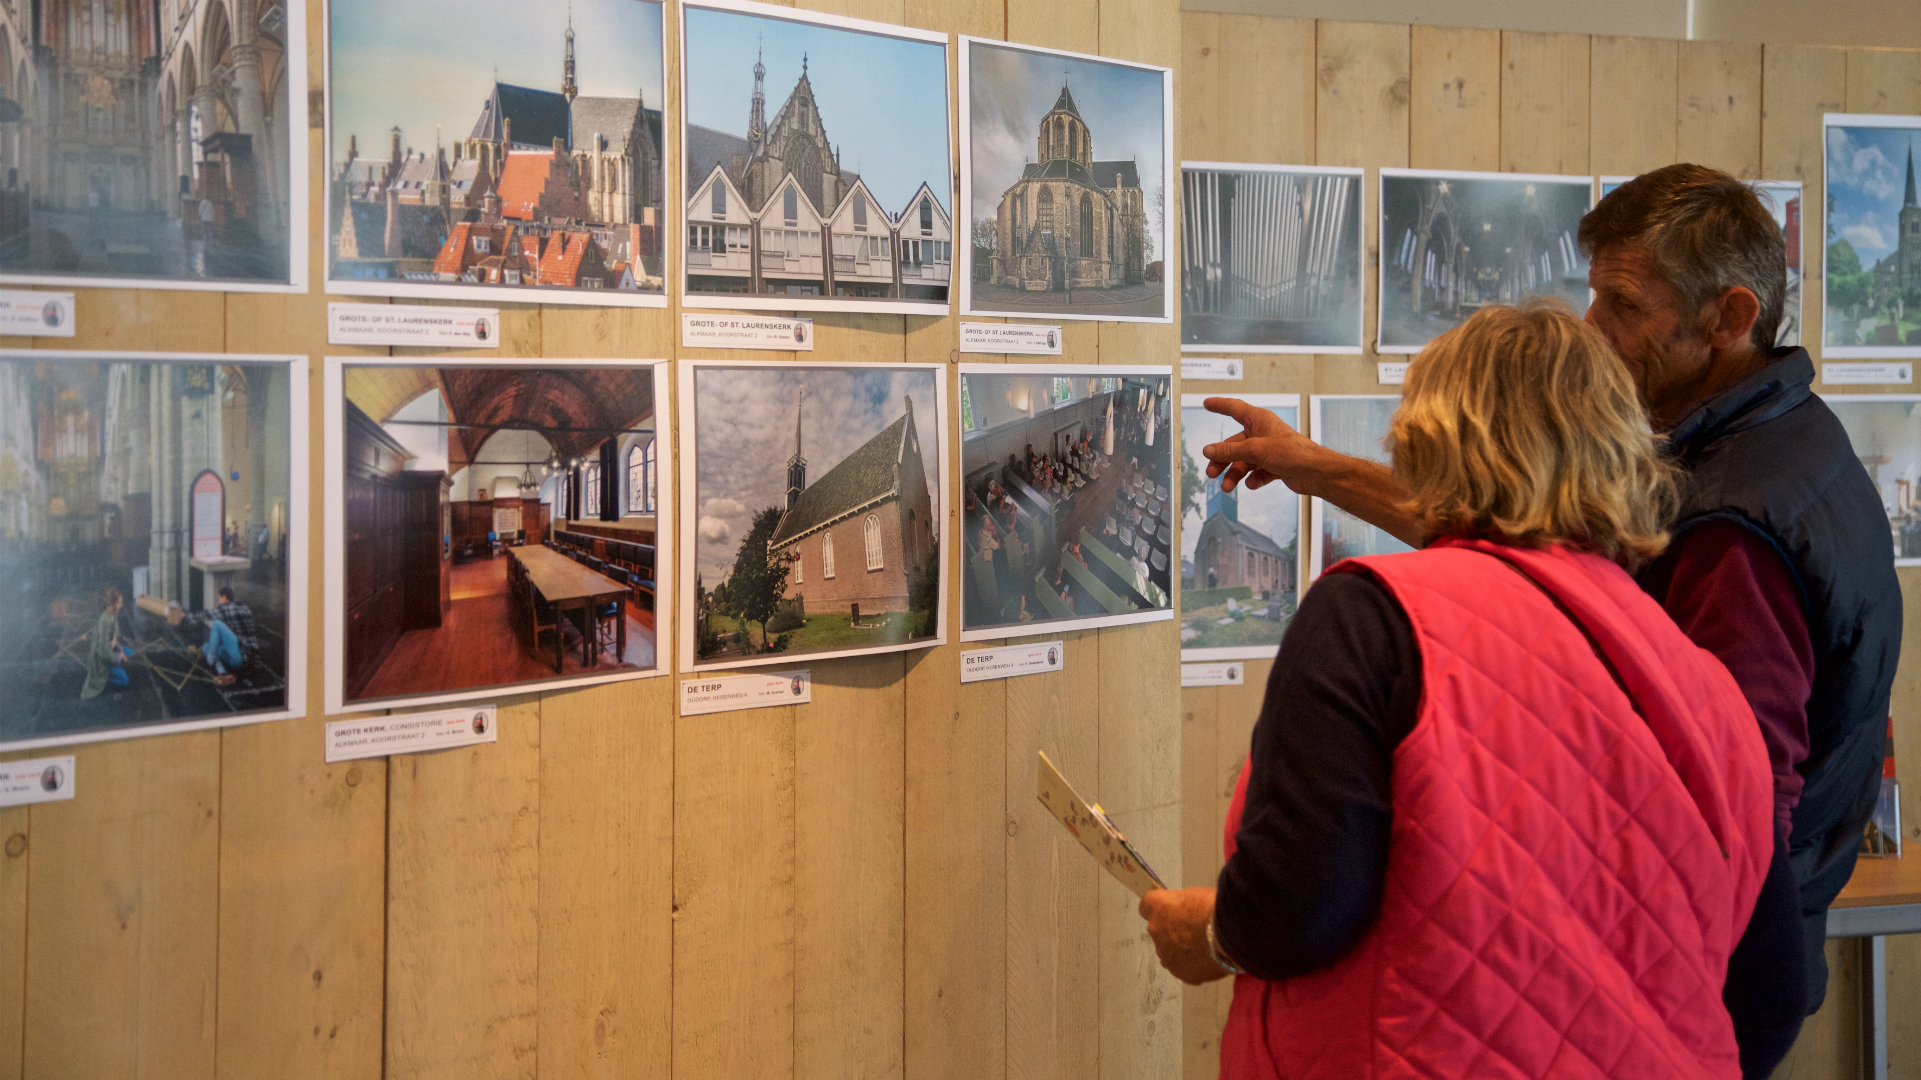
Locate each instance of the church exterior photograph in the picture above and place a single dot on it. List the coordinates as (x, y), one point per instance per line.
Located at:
(1067, 169)
(153, 543)
(151, 144)
(1871, 287)
(1241, 549)
(817, 162)
(1454, 242)
(497, 150)
(811, 508)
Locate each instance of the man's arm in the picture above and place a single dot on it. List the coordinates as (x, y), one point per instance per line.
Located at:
(1267, 449)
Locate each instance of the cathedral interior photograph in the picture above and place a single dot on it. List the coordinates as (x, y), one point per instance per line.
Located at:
(144, 542)
(835, 193)
(1067, 503)
(497, 527)
(497, 146)
(1066, 174)
(150, 140)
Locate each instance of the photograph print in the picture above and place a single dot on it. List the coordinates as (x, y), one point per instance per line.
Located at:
(1066, 171)
(1067, 502)
(156, 144)
(1240, 549)
(492, 528)
(818, 172)
(1871, 284)
(496, 150)
(1885, 431)
(814, 497)
(1356, 425)
(153, 543)
(1454, 242)
(1270, 258)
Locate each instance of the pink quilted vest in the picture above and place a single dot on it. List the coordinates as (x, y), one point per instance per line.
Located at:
(1565, 878)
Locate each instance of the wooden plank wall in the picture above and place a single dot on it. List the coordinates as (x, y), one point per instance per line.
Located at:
(1297, 91)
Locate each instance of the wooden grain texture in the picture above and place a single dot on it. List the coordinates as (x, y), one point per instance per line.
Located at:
(1637, 79)
(1719, 107)
(1884, 81)
(1545, 93)
(1200, 865)
(15, 837)
(463, 893)
(1455, 99)
(1798, 85)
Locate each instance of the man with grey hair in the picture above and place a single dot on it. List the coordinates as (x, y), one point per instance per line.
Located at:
(1780, 565)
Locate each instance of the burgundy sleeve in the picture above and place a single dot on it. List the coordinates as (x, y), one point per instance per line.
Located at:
(1733, 595)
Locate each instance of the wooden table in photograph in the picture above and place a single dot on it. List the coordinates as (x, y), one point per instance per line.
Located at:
(569, 586)
(1883, 897)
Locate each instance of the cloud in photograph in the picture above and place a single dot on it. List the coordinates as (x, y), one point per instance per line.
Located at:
(1274, 511)
(744, 434)
(1866, 179)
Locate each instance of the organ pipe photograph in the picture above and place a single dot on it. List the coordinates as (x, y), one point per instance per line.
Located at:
(492, 528)
(1271, 258)
(152, 543)
(1068, 498)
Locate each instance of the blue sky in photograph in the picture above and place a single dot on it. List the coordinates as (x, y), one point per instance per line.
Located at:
(744, 433)
(422, 63)
(882, 99)
(1011, 89)
(1867, 173)
(1273, 510)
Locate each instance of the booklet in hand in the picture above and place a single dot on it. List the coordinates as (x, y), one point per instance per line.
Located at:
(1095, 831)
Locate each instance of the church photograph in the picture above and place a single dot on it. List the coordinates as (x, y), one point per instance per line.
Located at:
(492, 527)
(151, 144)
(1067, 172)
(1068, 500)
(1455, 242)
(812, 510)
(152, 543)
(1871, 290)
(1885, 432)
(498, 151)
(1240, 549)
(817, 174)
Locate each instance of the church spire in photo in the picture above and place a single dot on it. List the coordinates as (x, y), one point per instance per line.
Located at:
(757, 113)
(1909, 200)
(796, 464)
(568, 89)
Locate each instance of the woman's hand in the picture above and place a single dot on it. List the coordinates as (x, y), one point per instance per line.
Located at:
(1177, 921)
(1264, 450)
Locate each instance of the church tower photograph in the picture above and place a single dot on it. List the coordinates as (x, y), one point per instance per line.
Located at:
(1871, 288)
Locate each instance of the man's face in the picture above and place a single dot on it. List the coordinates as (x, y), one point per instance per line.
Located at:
(1641, 315)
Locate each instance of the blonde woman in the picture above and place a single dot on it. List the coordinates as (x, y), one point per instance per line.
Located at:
(1500, 817)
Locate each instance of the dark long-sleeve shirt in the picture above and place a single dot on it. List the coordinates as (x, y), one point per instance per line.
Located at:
(1305, 880)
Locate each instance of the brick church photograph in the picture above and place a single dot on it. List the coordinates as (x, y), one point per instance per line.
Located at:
(812, 510)
(489, 149)
(1240, 549)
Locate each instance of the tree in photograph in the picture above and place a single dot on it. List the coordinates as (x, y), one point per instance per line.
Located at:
(1191, 487)
(754, 588)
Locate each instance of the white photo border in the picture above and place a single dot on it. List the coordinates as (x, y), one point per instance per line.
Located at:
(1587, 183)
(298, 212)
(1360, 245)
(965, 166)
(687, 462)
(499, 294)
(333, 514)
(1255, 652)
(1850, 352)
(1317, 506)
(724, 302)
(297, 526)
(1044, 627)
(1869, 399)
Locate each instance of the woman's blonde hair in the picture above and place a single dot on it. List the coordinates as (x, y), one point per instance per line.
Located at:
(1522, 425)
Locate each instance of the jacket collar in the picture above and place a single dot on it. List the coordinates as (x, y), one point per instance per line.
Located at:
(1781, 384)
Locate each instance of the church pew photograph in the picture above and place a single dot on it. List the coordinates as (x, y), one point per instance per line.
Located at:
(1066, 503)
(491, 527)
(152, 542)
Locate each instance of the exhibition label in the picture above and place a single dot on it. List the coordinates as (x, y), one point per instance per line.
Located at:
(1210, 369)
(36, 314)
(704, 330)
(421, 327)
(1867, 374)
(1012, 660)
(1213, 674)
(983, 337)
(47, 779)
(410, 733)
(726, 693)
(1393, 372)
